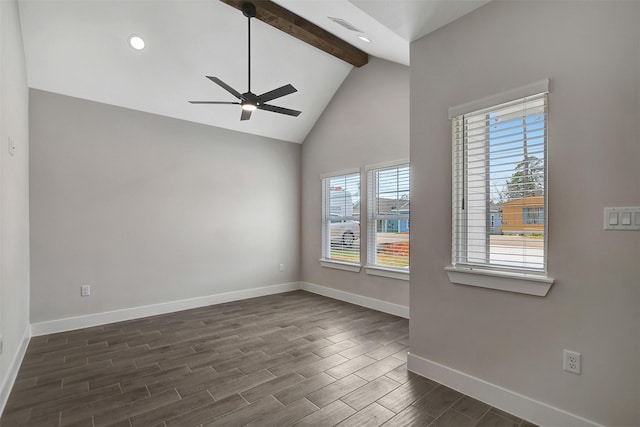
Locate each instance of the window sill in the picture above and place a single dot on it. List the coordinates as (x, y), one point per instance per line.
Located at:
(340, 265)
(392, 273)
(523, 283)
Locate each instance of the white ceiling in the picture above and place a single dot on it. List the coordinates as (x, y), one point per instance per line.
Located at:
(79, 48)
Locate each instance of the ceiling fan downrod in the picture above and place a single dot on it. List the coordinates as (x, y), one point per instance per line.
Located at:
(249, 10)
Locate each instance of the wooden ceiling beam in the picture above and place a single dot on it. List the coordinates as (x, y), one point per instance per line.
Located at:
(298, 27)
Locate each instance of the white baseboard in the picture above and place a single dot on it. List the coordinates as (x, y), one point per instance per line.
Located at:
(78, 322)
(375, 304)
(14, 367)
(494, 395)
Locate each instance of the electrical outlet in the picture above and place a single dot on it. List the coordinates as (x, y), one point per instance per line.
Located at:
(571, 361)
(281, 267)
(85, 290)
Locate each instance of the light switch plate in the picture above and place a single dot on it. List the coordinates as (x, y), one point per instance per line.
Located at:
(622, 218)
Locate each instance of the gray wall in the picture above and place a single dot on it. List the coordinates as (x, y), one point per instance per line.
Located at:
(14, 191)
(366, 122)
(591, 53)
(148, 209)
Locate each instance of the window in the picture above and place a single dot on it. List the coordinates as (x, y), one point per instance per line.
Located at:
(499, 188)
(533, 215)
(388, 217)
(341, 220)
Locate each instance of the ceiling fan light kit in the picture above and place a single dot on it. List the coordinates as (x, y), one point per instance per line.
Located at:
(249, 101)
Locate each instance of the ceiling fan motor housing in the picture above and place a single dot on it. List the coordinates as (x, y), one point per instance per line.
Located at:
(250, 98)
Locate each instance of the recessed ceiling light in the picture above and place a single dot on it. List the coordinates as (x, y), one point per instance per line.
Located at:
(136, 42)
(364, 39)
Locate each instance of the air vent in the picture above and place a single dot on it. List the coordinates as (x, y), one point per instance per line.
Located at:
(345, 24)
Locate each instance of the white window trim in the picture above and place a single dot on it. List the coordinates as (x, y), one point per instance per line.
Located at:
(332, 263)
(374, 269)
(392, 273)
(339, 173)
(529, 283)
(510, 281)
(500, 98)
(385, 165)
(340, 265)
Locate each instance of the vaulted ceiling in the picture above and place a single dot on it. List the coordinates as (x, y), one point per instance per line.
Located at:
(80, 48)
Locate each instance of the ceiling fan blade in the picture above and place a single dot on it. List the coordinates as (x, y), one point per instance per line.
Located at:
(277, 93)
(225, 86)
(280, 110)
(246, 115)
(213, 102)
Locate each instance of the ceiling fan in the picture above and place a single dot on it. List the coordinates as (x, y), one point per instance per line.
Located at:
(249, 100)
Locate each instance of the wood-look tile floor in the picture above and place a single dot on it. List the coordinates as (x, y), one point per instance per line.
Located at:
(287, 359)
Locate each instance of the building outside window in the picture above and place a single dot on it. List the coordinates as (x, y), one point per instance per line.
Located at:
(533, 215)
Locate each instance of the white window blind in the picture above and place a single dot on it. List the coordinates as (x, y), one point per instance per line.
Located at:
(341, 218)
(388, 217)
(499, 186)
